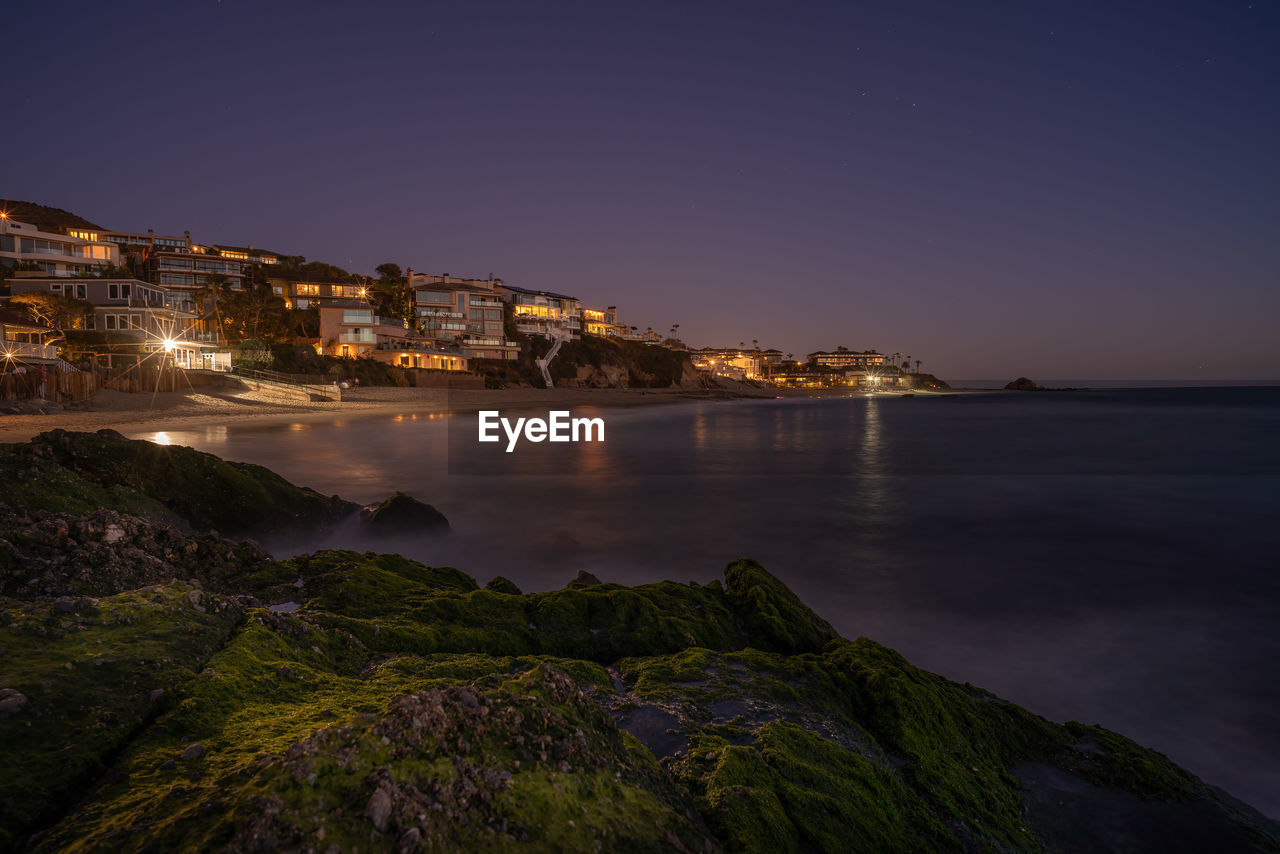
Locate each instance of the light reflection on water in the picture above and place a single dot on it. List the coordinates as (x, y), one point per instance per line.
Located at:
(961, 532)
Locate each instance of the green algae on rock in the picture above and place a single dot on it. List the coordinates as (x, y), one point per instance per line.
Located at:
(104, 469)
(94, 672)
(402, 707)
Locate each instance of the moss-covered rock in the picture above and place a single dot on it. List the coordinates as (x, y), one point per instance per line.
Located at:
(773, 616)
(104, 469)
(94, 672)
(379, 703)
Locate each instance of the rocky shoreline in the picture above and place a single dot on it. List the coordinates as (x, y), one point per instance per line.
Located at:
(152, 699)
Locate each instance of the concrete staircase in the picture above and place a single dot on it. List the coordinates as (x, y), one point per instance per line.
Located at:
(272, 386)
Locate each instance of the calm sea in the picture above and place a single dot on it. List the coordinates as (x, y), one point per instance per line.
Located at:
(1110, 556)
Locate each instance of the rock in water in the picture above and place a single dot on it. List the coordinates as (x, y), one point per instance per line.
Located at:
(1023, 384)
(403, 514)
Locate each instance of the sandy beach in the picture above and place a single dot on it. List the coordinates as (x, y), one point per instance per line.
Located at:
(194, 408)
(132, 412)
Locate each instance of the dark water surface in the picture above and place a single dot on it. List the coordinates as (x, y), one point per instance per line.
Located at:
(1108, 556)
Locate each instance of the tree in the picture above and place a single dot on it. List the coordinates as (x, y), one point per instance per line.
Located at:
(209, 295)
(255, 314)
(392, 295)
(55, 310)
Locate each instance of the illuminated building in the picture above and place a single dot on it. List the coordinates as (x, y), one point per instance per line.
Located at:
(248, 254)
(130, 310)
(463, 313)
(354, 331)
(22, 340)
(301, 294)
(53, 254)
(841, 358)
(536, 310)
(176, 262)
(603, 322)
(737, 362)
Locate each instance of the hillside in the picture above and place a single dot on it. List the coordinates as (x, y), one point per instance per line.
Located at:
(197, 695)
(44, 217)
(594, 362)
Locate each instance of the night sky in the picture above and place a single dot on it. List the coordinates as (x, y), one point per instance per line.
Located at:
(1057, 190)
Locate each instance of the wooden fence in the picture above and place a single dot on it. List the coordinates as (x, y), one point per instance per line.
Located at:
(147, 377)
(41, 383)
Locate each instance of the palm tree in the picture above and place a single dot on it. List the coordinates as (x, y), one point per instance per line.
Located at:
(755, 343)
(215, 285)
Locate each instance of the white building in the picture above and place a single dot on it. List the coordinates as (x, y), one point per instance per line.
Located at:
(53, 254)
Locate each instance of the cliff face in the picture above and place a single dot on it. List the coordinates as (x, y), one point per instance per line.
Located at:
(592, 362)
(391, 706)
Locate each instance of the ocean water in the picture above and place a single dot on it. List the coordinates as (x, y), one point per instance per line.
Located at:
(1109, 556)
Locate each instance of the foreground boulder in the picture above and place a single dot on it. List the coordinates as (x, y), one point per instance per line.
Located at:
(179, 487)
(77, 472)
(381, 704)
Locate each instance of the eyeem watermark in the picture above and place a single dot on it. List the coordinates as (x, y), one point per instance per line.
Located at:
(558, 426)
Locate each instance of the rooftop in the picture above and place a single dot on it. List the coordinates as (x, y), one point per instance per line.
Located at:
(550, 294)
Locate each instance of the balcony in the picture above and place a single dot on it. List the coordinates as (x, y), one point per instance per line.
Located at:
(355, 338)
(407, 346)
(28, 350)
(486, 303)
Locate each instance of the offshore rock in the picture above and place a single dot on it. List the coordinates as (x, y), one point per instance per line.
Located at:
(403, 514)
(1023, 384)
